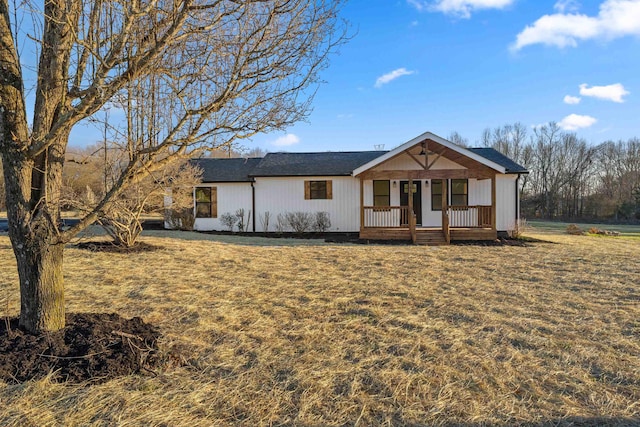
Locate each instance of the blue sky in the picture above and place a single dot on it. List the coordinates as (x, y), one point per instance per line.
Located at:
(465, 65)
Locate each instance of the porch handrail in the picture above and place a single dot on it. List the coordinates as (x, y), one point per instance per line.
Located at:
(470, 216)
(386, 216)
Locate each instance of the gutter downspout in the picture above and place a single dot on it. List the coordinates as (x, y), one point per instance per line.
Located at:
(517, 200)
(253, 205)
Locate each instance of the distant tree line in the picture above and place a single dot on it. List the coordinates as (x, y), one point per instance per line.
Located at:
(569, 178)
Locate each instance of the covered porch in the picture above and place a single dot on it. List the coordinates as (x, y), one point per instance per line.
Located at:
(399, 223)
(436, 213)
(459, 222)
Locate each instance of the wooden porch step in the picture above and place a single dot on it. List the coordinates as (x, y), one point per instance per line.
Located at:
(430, 237)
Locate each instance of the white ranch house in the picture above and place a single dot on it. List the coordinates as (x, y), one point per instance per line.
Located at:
(458, 193)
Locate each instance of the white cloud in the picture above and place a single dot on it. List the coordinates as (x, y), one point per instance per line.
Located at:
(286, 140)
(576, 121)
(572, 100)
(563, 6)
(386, 78)
(616, 18)
(459, 8)
(613, 92)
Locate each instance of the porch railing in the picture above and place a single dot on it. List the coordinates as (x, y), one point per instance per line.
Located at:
(470, 217)
(453, 217)
(386, 216)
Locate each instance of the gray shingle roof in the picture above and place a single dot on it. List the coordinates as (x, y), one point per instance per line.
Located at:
(226, 170)
(499, 158)
(313, 164)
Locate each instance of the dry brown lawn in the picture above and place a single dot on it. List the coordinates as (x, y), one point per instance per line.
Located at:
(314, 334)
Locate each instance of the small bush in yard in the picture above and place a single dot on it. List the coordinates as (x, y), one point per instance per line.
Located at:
(281, 223)
(264, 221)
(518, 228)
(240, 219)
(300, 222)
(574, 230)
(322, 222)
(228, 220)
(182, 219)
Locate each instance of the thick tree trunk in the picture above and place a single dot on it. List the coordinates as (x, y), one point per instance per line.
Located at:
(37, 244)
(41, 284)
(38, 248)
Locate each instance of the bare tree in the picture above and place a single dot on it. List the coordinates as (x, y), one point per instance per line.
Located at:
(458, 139)
(225, 70)
(122, 220)
(235, 151)
(560, 164)
(178, 197)
(85, 171)
(254, 152)
(511, 140)
(618, 173)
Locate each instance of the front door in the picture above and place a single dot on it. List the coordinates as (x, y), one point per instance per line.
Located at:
(417, 198)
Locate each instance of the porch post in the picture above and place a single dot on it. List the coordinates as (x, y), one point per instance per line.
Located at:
(361, 204)
(411, 219)
(493, 203)
(445, 210)
(410, 196)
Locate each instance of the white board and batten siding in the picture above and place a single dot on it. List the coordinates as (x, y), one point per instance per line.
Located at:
(506, 202)
(231, 196)
(480, 194)
(279, 195)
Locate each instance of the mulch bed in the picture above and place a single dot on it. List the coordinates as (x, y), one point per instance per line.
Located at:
(92, 347)
(500, 241)
(107, 246)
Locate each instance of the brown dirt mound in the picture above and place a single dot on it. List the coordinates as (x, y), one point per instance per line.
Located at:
(93, 346)
(106, 246)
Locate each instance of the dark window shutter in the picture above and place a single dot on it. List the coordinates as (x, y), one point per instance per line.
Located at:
(214, 202)
(307, 190)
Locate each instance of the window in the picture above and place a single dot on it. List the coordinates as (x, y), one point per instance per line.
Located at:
(381, 193)
(206, 202)
(459, 192)
(437, 188)
(314, 190)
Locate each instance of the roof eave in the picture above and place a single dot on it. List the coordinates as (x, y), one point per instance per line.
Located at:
(421, 138)
(227, 182)
(299, 175)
